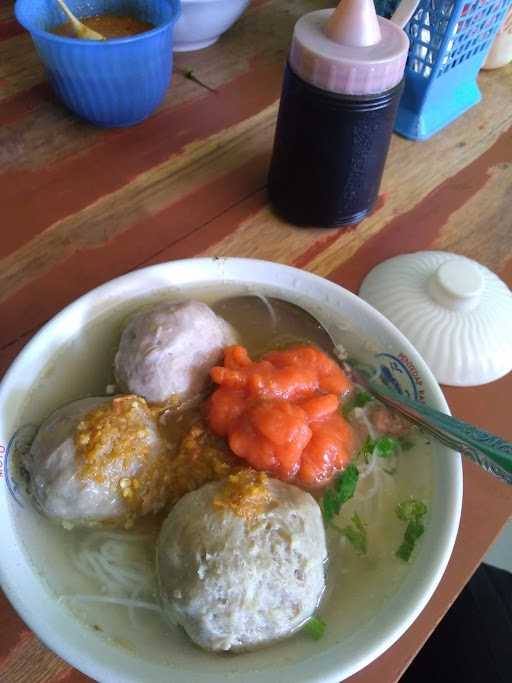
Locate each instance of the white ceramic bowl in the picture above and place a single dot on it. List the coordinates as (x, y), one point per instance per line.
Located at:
(293, 661)
(202, 22)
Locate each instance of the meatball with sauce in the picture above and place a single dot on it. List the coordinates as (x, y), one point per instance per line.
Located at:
(99, 460)
(239, 570)
(169, 350)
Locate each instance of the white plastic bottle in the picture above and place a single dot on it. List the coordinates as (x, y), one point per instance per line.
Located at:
(500, 53)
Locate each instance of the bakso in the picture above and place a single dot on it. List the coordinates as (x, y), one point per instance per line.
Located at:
(98, 460)
(169, 350)
(241, 567)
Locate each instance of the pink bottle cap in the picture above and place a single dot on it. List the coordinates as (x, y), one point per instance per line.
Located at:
(349, 50)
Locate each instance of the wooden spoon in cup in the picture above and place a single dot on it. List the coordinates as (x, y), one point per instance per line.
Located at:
(81, 30)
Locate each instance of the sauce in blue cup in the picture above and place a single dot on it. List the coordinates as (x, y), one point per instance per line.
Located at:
(110, 83)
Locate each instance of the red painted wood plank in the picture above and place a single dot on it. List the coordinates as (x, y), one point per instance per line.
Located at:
(329, 238)
(12, 628)
(411, 231)
(180, 230)
(9, 29)
(120, 155)
(26, 102)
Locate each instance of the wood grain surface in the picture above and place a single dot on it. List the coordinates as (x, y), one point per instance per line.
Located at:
(80, 205)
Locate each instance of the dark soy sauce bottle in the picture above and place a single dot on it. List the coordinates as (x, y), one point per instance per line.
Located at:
(340, 95)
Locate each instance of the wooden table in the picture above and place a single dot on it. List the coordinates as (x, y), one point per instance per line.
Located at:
(80, 205)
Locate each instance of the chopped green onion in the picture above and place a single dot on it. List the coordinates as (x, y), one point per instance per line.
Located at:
(413, 531)
(385, 446)
(411, 511)
(357, 401)
(315, 628)
(330, 504)
(344, 488)
(356, 534)
(345, 484)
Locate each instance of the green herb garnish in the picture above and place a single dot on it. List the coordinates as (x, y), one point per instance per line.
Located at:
(343, 490)
(356, 534)
(411, 511)
(357, 401)
(385, 446)
(315, 628)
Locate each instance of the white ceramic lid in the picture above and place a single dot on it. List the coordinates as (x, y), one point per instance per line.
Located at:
(456, 312)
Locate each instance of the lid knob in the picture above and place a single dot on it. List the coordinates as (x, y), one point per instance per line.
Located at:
(457, 284)
(354, 23)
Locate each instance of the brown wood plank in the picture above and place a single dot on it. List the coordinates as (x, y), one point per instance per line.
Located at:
(10, 28)
(421, 226)
(147, 204)
(116, 159)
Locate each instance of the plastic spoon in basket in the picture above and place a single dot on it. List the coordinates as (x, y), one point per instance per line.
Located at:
(404, 12)
(491, 452)
(81, 30)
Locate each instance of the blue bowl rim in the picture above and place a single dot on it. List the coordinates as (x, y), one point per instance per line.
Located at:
(176, 5)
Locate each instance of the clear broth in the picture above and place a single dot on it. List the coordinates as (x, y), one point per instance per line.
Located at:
(357, 587)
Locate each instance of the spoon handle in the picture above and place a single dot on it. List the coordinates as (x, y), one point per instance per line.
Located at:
(68, 13)
(82, 31)
(492, 453)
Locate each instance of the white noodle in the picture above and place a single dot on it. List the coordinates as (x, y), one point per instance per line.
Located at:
(107, 599)
(374, 483)
(131, 610)
(268, 306)
(361, 415)
(118, 564)
(367, 468)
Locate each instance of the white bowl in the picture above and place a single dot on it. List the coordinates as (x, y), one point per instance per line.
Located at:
(329, 660)
(202, 22)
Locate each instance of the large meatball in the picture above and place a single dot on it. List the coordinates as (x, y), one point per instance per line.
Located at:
(235, 583)
(98, 460)
(169, 349)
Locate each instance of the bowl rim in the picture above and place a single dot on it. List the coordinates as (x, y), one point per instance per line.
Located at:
(93, 44)
(86, 662)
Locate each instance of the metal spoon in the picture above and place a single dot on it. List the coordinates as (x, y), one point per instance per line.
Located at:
(81, 30)
(491, 452)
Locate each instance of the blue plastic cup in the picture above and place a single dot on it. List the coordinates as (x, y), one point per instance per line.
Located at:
(110, 83)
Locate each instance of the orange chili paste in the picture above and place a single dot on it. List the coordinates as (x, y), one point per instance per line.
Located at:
(108, 25)
(280, 414)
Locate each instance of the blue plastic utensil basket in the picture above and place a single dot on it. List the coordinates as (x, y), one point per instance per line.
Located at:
(449, 42)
